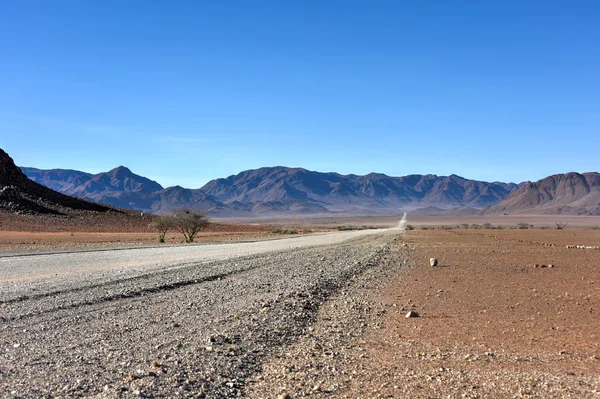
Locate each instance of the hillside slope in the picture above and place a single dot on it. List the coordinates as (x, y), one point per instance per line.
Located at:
(569, 193)
(20, 194)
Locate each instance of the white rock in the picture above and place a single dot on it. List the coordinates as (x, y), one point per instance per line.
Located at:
(433, 262)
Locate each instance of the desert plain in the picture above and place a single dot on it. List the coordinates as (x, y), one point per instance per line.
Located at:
(507, 312)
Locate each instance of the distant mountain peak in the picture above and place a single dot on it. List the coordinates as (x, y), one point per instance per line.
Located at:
(120, 170)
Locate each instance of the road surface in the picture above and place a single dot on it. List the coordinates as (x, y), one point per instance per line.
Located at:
(185, 321)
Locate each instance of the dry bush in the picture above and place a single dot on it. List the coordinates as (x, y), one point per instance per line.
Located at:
(162, 224)
(189, 222)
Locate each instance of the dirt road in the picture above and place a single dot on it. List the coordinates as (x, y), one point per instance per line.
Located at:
(191, 321)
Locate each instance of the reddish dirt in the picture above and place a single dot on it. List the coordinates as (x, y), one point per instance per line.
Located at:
(490, 325)
(23, 232)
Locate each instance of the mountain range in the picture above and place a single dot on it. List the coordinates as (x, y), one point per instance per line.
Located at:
(281, 190)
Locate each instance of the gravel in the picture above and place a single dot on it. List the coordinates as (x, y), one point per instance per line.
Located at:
(163, 327)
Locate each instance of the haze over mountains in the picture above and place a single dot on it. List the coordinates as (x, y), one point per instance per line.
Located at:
(280, 189)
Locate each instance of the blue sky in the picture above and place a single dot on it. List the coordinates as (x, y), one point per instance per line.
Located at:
(187, 91)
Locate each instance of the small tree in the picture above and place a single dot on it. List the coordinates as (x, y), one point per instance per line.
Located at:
(560, 226)
(162, 224)
(189, 222)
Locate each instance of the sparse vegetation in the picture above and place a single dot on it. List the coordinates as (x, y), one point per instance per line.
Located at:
(285, 231)
(524, 226)
(475, 226)
(189, 223)
(560, 226)
(465, 225)
(487, 226)
(162, 224)
(409, 227)
(347, 228)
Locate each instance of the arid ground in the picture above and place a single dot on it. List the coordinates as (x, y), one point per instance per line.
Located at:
(506, 313)
(491, 323)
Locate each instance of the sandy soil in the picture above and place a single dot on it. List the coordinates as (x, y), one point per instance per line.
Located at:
(18, 240)
(491, 323)
(504, 326)
(25, 232)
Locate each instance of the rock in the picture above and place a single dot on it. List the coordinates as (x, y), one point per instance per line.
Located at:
(550, 265)
(433, 262)
(284, 396)
(412, 313)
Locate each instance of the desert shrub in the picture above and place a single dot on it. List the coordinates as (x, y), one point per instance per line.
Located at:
(487, 225)
(445, 227)
(347, 228)
(595, 228)
(560, 226)
(409, 227)
(162, 224)
(287, 231)
(465, 225)
(189, 222)
(524, 226)
(475, 226)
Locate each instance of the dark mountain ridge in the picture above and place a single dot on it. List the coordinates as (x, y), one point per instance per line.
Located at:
(20, 194)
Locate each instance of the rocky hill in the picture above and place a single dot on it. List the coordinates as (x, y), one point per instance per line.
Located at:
(569, 194)
(280, 190)
(22, 195)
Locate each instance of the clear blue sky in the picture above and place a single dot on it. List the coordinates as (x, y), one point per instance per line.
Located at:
(187, 91)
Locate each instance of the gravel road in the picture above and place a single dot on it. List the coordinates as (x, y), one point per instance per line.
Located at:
(185, 321)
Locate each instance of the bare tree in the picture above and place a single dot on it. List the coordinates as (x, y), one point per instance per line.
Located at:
(560, 226)
(189, 222)
(162, 224)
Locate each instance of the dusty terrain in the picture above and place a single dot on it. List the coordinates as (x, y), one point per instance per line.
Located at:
(184, 326)
(326, 320)
(25, 232)
(490, 325)
(507, 221)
